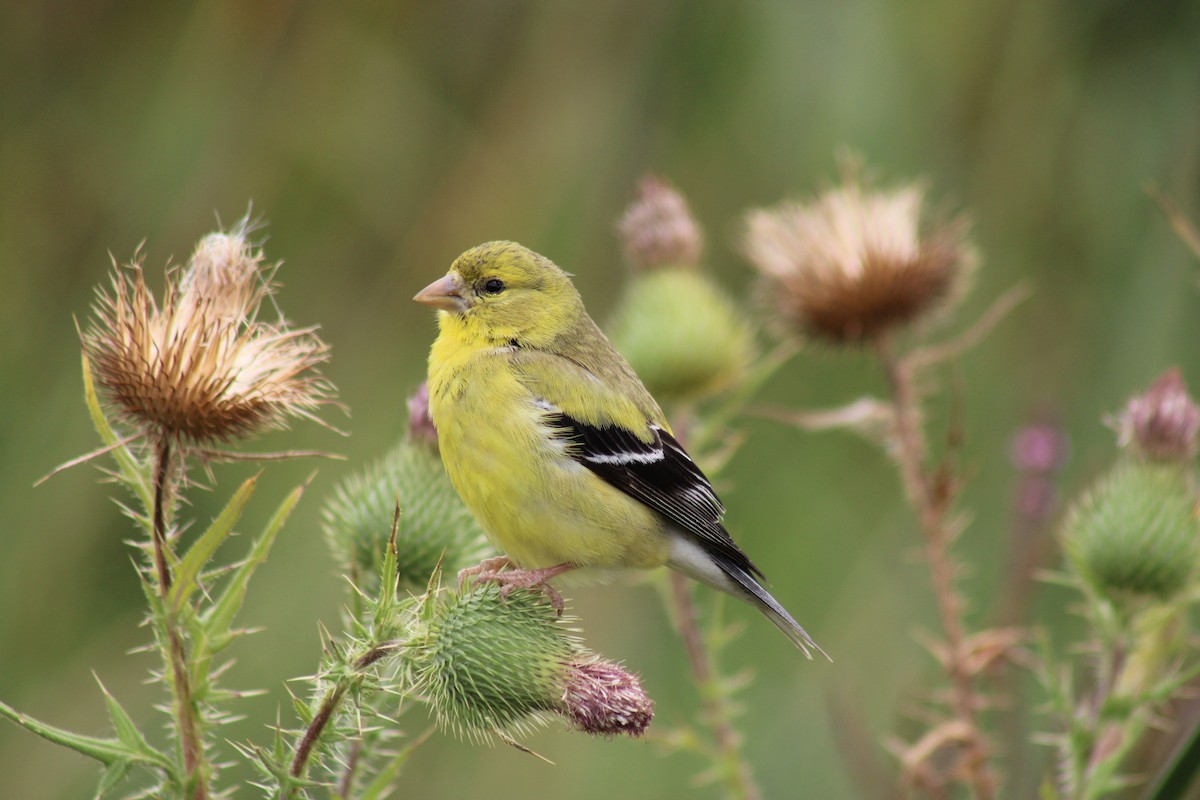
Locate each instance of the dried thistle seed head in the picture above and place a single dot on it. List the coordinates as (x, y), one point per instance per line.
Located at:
(658, 229)
(1161, 424)
(200, 366)
(855, 263)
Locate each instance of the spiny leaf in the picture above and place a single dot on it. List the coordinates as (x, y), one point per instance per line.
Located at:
(126, 729)
(387, 572)
(217, 620)
(199, 554)
(112, 776)
(107, 751)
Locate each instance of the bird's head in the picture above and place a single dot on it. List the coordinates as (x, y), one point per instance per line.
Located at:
(503, 293)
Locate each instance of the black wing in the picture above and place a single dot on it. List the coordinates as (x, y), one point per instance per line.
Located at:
(660, 474)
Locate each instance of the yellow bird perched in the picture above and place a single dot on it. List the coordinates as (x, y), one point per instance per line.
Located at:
(556, 446)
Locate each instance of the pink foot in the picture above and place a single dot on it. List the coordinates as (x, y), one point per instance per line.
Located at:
(492, 570)
(489, 566)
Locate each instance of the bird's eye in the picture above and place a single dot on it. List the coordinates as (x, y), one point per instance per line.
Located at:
(494, 286)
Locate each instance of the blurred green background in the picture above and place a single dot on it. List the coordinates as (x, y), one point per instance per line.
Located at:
(380, 139)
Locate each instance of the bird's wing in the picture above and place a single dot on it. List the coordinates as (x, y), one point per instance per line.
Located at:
(631, 453)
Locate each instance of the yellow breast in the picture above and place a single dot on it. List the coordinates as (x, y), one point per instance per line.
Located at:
(537, 505)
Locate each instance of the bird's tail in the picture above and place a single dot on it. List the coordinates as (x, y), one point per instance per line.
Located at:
(724, 573)
(759, 597)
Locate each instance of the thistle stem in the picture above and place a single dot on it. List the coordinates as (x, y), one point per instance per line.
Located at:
(329, 705)
(316, 727)
(176, 655)
(930, 493)
(162, 468)
(735, 771)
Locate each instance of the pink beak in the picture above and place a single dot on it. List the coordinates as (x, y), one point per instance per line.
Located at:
(444, 294)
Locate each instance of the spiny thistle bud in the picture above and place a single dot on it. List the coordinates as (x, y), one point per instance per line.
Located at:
(201, 366)
(1161, 424)
(1135, 533)
(658, 230)
(434, 524)
(495, 665)
(681, 333)
(853, 263)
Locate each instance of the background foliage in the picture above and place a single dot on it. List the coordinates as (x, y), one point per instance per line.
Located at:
(382, 139)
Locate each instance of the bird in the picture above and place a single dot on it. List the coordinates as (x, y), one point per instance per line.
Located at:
(557, 448)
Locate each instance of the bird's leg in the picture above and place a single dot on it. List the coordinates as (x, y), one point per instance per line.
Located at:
(491, 571)
(484, 569)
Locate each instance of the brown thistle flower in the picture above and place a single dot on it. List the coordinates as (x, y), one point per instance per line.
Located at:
(201, 367)
(1161, 424)
(658, 229)
(854, 264)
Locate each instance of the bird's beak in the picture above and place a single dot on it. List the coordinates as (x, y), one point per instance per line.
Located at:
(444, 294)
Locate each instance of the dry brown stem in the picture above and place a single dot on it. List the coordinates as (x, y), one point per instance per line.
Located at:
(930, 490)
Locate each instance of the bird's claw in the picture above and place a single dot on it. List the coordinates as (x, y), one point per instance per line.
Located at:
(501, 571)
(484, 570)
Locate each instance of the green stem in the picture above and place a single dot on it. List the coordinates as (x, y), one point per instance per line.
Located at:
(162, 467)
(184, 706)
(735, 771)
(329, 706)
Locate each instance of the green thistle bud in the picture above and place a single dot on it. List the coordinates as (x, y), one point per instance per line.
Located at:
(434, 524)
(1135, 533)
(682, 334)
(491, 665)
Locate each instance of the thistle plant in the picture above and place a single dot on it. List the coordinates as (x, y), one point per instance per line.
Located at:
(487, 666)
(493, 666)
(201, 367)
(198, 368)
(683, 335)
(172, 383)
(1132, 543)
(863, 267)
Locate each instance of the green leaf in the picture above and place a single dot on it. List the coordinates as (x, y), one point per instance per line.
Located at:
(112, 776)
(132, 472)
(387, 570)
(199, 554)
(106, 751)
(126, 729)
(218, 619)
